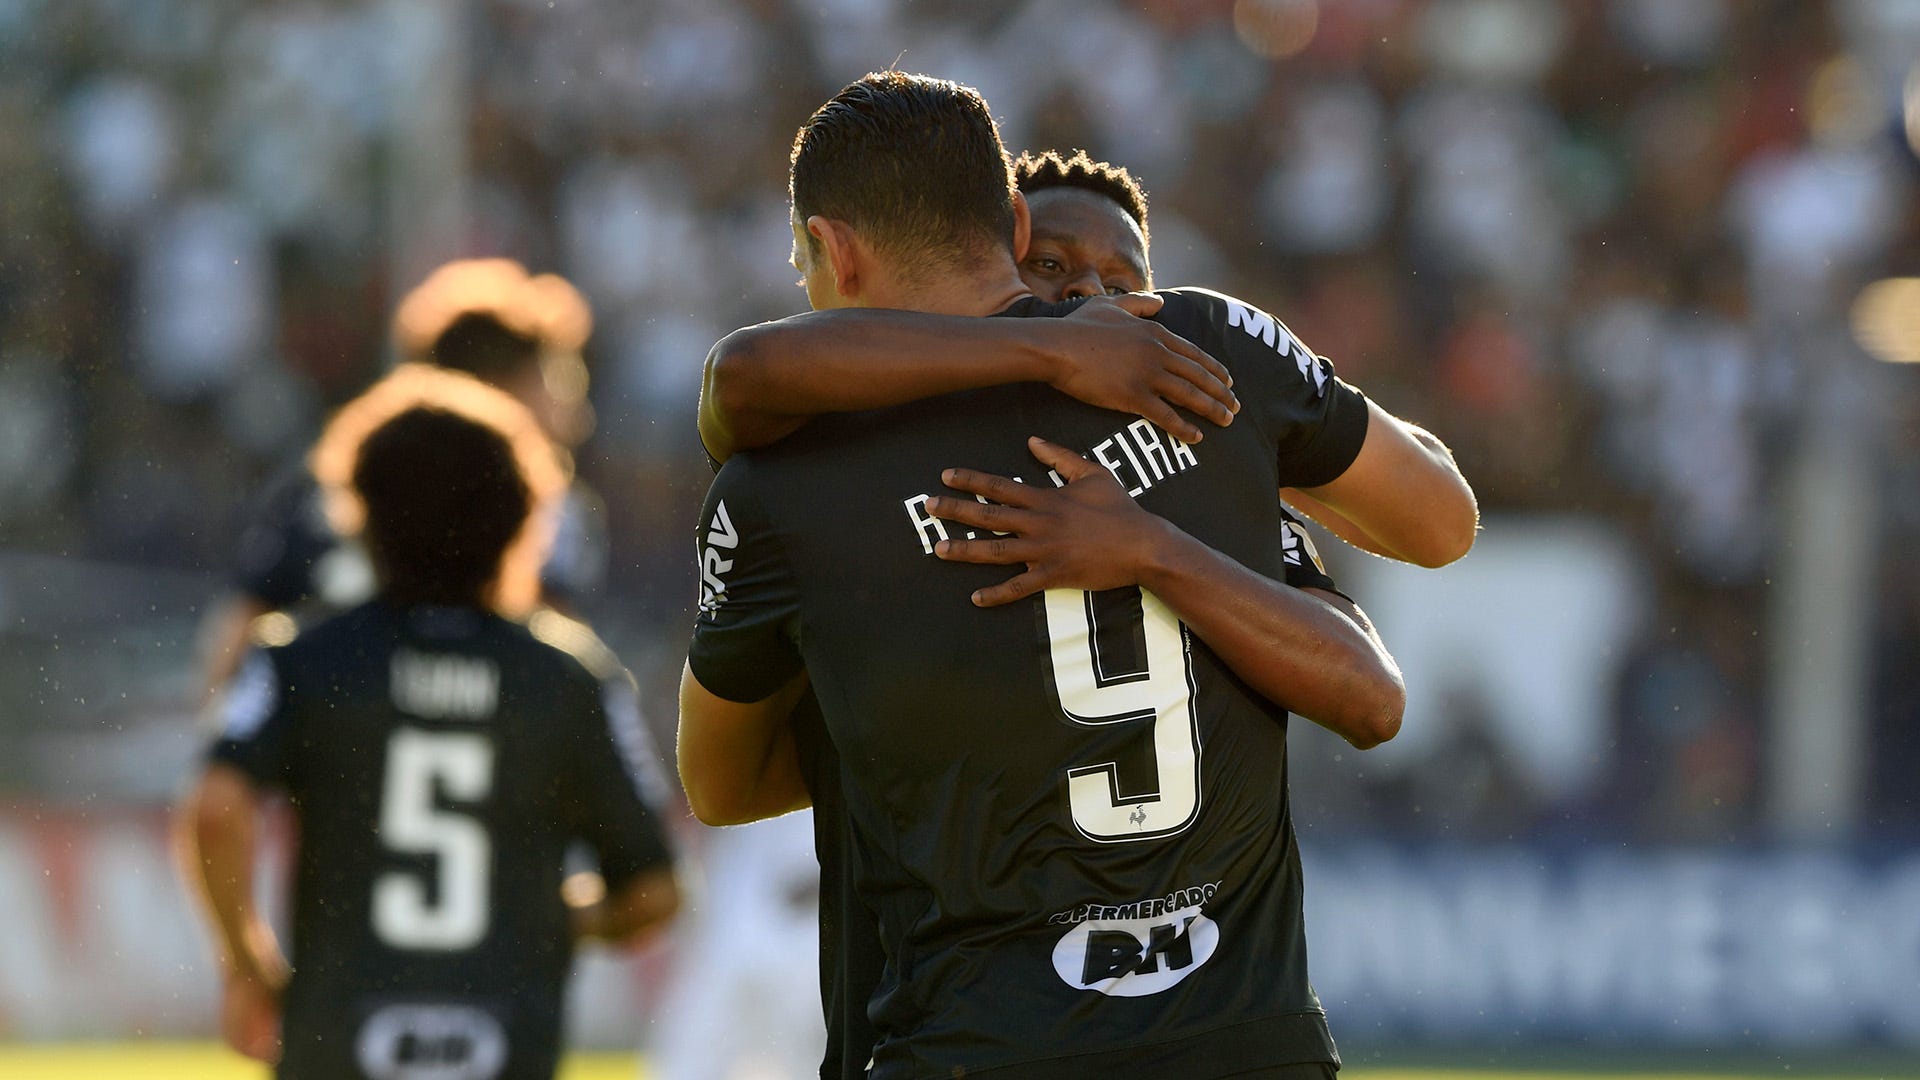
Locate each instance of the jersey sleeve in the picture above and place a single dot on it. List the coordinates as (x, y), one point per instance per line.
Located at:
(1316, 420)
(254, 721)
(617, 784)
(1300, 560)
(286, 535)
(746, 639)
(576, 565)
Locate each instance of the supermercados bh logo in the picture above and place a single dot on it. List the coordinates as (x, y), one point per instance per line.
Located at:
(1138, 948)
(721, 538)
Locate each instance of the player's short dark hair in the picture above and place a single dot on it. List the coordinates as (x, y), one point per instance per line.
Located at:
(479, 344)
(489, 318)
(448, 481)
(912, 162)
(1038, 172)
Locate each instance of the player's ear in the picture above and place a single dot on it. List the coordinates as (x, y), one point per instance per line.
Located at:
(842, 250)
(1022, 225)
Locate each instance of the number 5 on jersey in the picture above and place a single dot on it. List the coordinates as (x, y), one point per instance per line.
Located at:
(1091, 694)
(406, 913)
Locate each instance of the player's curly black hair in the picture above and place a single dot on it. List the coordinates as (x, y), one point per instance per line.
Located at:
(444, 497)
(913, 162)
(1038, 172)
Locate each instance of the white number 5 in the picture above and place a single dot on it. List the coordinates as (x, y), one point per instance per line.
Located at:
(461, 765)
(1163, 694)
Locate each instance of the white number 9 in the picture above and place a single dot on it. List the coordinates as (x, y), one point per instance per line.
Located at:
(1164, 695)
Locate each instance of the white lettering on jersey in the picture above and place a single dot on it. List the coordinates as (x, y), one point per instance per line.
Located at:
(928, 527)
(1139, 456)
(720, 534)
(1148, 461)
(1259, 324)
(443, 687)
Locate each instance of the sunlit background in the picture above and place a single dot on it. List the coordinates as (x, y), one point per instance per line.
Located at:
(1651, 267)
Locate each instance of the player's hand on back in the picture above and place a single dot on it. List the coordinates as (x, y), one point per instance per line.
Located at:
(1108, 354)
(1086, 535)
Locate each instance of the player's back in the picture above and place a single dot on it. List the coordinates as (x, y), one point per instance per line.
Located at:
(1072, 819)
(439, 761)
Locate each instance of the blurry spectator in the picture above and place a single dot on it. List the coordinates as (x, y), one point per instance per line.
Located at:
(1602, 248)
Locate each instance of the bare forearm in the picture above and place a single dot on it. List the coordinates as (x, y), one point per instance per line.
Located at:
(769, 787)
(738, 762)
(217, 855)
(763, 382)
(1406, 494)
(1291, 648)
(1335, 522)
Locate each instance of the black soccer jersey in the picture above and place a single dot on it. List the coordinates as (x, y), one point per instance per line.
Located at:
(852, 959)
(440, 761)
(1069, 818)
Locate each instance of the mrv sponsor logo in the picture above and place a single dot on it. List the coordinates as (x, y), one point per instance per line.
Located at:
(1138, 948)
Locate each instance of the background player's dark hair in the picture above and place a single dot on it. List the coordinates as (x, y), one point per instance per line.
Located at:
(1038, 172)
(444, 499)
(483, 316)
(479, 344)
(914, 163)
(443, 503)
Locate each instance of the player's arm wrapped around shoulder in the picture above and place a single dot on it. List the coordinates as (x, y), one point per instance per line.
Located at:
(744, 671)
(763, 382)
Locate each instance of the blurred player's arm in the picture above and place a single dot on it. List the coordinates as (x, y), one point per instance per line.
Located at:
(618, 791)
(1403, 497)
(738, 762)
(1315, 655)
(216, 828)
(627, 915)
(763, 382)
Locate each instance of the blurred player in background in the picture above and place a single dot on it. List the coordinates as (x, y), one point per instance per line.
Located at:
(1089, 237)
(487, 318)
(439, 758)
(742, 1002)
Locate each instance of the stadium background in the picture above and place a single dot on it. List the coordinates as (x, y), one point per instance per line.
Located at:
(1638, 261)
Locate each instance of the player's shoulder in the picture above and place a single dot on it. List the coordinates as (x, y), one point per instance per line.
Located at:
(1193, 305)
(573, 645)
(347, 628)
(1237, 330)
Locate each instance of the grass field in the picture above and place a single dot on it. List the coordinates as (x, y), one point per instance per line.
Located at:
(192, 1061)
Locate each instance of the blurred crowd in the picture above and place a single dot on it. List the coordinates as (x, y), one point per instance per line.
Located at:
(1608, 250)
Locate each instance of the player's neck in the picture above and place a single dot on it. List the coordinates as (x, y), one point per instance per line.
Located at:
(979, 291)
